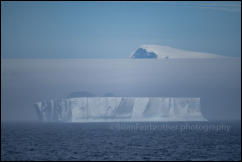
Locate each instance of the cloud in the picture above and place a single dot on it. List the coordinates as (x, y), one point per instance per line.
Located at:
(220, 6)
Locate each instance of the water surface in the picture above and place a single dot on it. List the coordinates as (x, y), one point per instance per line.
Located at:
(121, 141)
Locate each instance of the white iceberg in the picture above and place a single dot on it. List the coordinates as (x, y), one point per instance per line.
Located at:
(85, 109)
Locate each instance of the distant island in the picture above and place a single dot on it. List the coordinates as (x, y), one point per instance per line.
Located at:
(166, 52)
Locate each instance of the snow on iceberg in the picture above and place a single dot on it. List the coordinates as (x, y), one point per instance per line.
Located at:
(85, 109)
(166, 52)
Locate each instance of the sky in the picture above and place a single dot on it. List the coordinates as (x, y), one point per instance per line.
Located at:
(115, 29)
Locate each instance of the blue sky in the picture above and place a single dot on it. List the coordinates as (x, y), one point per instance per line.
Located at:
(115, 29)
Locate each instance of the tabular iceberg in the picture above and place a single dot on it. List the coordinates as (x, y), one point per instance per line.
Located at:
(85, 109)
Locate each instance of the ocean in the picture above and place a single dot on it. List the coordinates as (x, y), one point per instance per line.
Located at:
(121, 141)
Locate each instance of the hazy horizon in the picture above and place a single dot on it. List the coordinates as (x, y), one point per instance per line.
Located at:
(215, 81)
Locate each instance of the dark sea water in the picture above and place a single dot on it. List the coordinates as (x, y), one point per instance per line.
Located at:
(121, 141)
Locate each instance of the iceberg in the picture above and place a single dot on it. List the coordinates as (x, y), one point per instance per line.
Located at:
(105, 109)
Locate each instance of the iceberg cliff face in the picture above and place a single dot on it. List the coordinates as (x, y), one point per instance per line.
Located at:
(119, 109)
